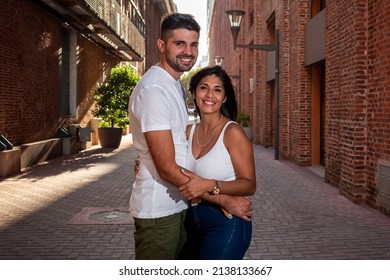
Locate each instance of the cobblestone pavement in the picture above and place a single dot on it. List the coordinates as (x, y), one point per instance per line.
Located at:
(74, 207)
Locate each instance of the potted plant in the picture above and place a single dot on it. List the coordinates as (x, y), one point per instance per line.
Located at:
(243, 119)
(111, 101)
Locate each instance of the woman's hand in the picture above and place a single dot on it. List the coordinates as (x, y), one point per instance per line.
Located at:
(136, 166)
(196, 186)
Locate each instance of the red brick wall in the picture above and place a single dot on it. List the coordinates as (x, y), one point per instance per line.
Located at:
(10, 86)
(93, 66)
(29, 73)
(378, 94)
(358, 97)
(153, 20)
(295, 91)
(262, 115)
(346, 98)
(357, 87)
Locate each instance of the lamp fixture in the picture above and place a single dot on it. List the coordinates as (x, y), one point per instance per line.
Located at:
(235, 19)
(218, 60)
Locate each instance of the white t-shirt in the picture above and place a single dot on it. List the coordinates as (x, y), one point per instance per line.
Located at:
(157, 104)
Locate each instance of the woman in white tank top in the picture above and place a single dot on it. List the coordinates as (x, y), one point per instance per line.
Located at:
(221, 155)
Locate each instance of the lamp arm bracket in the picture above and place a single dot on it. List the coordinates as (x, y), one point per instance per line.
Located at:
(258, 47)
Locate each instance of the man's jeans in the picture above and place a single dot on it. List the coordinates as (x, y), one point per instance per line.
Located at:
(160, 238)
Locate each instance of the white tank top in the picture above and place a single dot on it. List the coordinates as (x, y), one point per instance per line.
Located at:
(216, 164)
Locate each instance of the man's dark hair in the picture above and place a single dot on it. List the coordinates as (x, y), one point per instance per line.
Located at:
(176, 21)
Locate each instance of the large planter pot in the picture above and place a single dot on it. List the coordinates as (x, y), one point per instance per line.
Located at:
(248, 132)
(110, 137)
(126, 130)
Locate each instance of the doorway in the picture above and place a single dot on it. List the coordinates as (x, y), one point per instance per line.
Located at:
(318, 114)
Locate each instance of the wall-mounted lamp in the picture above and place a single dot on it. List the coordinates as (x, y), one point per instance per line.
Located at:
(218, 60)
(235, 18)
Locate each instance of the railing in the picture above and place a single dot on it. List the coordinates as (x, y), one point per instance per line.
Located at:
(125, 20)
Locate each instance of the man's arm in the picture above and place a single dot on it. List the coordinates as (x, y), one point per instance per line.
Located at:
(162, 150)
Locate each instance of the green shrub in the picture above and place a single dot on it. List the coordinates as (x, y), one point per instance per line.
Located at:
(112, 96)
(243, 119)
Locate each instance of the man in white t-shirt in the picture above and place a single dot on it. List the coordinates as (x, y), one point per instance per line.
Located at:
(158, 117)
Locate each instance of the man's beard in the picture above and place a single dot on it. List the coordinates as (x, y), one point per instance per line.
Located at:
(175, 64)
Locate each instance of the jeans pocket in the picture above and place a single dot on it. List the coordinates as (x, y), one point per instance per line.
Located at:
(247, 231)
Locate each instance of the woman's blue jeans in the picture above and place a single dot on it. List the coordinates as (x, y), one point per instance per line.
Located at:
(213, 236)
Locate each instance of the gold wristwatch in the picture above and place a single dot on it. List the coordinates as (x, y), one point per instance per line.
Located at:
(216, 188)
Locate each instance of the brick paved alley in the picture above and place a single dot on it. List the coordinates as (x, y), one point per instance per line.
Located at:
(75, 207)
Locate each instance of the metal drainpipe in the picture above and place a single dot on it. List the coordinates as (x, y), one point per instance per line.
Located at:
(277, 94)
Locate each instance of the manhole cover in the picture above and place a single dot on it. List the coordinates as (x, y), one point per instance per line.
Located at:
(110, 216)
(102, 215)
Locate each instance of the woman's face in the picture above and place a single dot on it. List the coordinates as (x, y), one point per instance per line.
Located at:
(210, 94)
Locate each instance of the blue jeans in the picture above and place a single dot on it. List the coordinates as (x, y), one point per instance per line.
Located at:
(213, 236)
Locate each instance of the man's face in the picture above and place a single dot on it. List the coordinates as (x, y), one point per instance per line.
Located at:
(180, 51)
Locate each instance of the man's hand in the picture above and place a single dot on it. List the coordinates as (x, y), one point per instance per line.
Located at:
(239, 206)
(196, 186)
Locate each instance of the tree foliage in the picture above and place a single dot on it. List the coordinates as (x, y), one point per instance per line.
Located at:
(185, 80)
(112, 96)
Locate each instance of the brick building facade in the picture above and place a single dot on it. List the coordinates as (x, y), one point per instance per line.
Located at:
(52, 59)
(334, 93)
